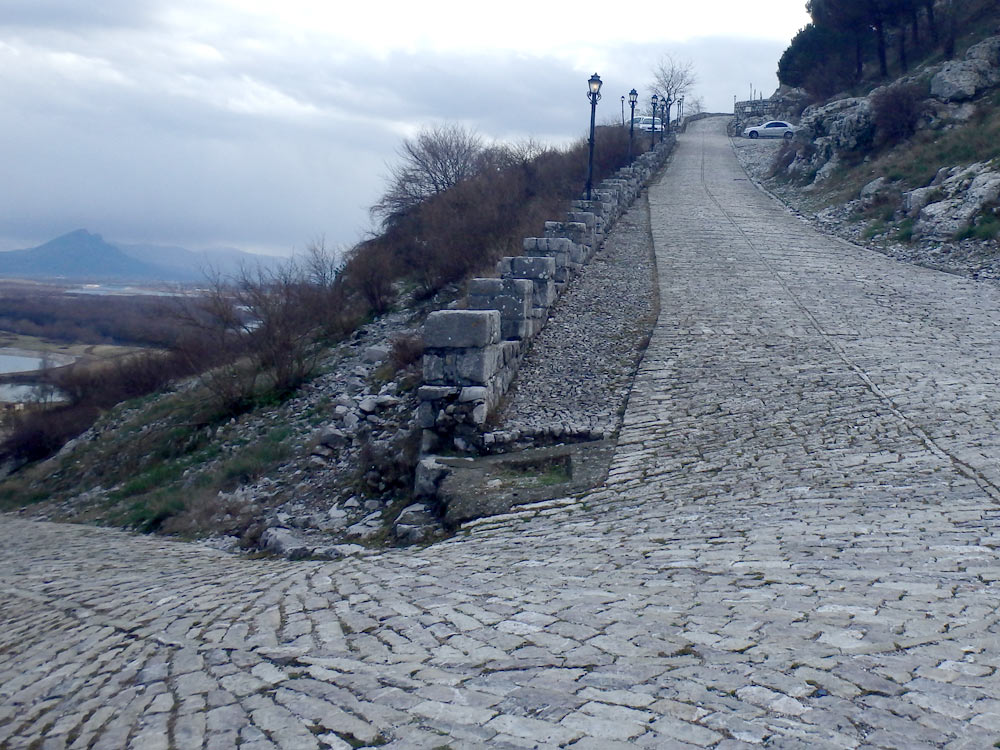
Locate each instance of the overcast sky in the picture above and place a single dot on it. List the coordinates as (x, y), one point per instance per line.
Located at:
(265, 124)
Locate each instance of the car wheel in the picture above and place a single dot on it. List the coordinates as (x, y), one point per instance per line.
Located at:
(789, 135)
(753, 133)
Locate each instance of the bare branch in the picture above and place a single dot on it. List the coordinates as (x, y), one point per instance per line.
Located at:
(673, 77)
(437, 159)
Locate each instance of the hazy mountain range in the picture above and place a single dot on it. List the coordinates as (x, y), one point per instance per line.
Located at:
(83, 256)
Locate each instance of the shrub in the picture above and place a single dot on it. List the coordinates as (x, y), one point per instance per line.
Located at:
(38, 433)
(455, 233)
(895, 113)
(406, 351)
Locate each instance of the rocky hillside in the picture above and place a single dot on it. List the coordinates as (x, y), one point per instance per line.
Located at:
(912, 168)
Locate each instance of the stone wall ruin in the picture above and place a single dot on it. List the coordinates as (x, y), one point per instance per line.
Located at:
(471, 355)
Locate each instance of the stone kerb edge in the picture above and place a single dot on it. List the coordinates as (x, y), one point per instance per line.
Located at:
(471, 356)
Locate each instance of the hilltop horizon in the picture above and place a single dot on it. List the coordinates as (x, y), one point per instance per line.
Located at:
(85, 255)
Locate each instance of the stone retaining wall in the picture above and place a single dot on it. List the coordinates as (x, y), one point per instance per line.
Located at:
(472, 355)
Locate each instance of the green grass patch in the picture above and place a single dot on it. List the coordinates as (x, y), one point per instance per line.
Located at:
(158, 476)
(904, 230)
(986, 228)
(152, 511)
(255, 459)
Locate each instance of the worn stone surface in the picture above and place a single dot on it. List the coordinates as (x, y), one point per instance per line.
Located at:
(797, 547)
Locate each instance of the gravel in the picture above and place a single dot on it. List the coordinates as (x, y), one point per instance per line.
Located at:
(575, 380)
(969, 258)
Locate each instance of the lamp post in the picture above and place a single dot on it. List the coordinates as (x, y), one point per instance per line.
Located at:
(664, 117)
(680, 110)
(623, 110)
(633, 97)
(593, 93)
(652, 138)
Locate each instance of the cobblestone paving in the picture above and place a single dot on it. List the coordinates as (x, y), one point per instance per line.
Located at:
(796, 548)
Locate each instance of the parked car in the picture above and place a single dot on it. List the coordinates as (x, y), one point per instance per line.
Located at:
(771, 129)
(645, 123)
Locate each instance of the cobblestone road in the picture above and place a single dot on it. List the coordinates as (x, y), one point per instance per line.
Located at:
(796, 548)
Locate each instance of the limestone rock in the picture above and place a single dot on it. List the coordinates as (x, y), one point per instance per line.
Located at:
(429, 474)
(967, 191)
(282, 541)
(367, 527)
(960, 80)
(375, 354)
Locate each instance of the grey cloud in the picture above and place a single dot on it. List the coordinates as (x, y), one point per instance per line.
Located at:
(148, 145)
(76, 14)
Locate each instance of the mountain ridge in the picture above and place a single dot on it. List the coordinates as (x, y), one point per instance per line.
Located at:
(82, 255)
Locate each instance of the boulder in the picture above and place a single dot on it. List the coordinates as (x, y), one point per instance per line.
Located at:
(282, 541)
(914, 200)
(988, 51)
(429, 474)
(874, 191)
(966, 192)
(368, 527)
(334, 438)
(961, 79)
(375, 354)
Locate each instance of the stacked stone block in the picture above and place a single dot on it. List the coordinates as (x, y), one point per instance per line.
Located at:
(540, 272)
(471, 356)
(568, 256)
(512, 297)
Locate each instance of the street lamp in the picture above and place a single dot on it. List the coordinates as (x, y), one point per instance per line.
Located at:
(623, 110)
(664, 118)
(652, 138)
(633, 97)
(680, 110)
(594, 94)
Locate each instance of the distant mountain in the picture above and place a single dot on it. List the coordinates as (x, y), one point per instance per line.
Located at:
(226, 261)
(83, 256)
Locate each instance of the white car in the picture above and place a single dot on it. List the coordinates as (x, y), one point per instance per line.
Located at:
(771, 129)
(645, 123)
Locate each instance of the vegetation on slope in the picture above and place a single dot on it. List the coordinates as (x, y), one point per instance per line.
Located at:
(170, 455)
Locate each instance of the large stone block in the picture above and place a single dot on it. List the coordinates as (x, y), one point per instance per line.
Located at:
(459, 329)
(541, 272)
(587, 218)
(477, 366)
(513, 298)
(575, 231)
(473, 366)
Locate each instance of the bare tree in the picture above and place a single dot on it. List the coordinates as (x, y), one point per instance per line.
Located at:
(438, 158)
(673, 77)
(256, 334)
(695, 106)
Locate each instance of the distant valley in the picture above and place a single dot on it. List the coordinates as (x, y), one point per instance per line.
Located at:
(85, 256)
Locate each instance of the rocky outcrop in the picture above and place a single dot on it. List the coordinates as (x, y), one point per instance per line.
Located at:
(847, 125)
(959, 80)
(963, 194)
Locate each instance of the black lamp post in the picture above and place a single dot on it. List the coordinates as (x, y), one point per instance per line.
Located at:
(664, 122)
(623, 110)
(680, 110)
(652, 138)
(633, 97)
(594, 94)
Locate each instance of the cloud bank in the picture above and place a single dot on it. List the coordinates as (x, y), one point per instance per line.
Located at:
(194, 124)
